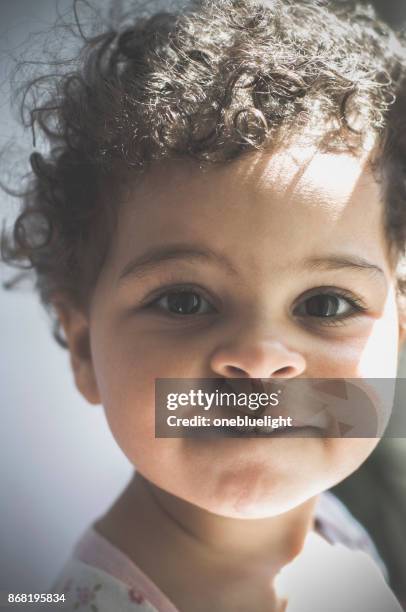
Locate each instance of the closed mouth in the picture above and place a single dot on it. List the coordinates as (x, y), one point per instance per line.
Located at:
(305, 431)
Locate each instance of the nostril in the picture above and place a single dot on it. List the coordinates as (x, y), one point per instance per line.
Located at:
(235, 372)
(284, 372)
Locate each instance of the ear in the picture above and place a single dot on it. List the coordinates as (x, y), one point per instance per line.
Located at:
(402, 321)
(75, 325)
(402, 334)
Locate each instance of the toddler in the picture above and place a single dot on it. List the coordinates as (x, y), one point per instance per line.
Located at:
(223, 197)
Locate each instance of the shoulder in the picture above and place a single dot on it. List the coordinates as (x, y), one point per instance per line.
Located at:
(94, 590)
(335, 523)
(334, 578)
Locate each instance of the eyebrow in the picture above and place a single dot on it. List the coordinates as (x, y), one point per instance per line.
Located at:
(154, 257)
(339, 262)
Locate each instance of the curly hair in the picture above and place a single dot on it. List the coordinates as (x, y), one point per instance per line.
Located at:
(210, 82)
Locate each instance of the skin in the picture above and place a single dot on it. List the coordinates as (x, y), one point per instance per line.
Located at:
(274, 225)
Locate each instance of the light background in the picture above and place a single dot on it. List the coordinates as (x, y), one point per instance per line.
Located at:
(59, 465)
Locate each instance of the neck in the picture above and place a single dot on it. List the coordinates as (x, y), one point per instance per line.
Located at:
(201, 536)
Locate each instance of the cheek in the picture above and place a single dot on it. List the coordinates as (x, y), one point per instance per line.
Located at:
(345, 455)
(127, 361)
(369, 352)
(379, 357)
(127, 358)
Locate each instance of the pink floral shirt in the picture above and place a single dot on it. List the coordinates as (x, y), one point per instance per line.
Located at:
(100, 578)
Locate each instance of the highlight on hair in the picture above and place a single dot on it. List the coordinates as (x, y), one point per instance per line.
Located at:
(211, 81)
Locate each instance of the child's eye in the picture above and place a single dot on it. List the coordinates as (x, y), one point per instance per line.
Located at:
(329, 306)
(183, 302)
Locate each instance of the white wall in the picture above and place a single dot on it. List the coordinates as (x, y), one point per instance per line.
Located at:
(59, 465)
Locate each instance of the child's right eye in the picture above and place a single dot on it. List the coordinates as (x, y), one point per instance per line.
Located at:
(184, 302)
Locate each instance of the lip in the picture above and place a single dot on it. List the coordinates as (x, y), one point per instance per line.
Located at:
(306, 431)
(303, 421)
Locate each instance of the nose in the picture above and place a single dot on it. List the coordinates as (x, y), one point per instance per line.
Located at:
(255, 357)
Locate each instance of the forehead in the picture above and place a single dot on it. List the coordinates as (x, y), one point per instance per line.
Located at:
(274, 199)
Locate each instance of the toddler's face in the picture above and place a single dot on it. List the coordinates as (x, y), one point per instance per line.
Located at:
(274, 265)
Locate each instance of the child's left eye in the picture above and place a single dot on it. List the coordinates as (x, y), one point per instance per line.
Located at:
(183, 302)
(329, 305)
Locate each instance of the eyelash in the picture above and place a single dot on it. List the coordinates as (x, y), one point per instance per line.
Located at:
(358, 307)
(355, 303)
(176, 289)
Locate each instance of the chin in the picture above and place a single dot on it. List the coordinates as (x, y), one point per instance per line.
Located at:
(257, 499)
(246, 508)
